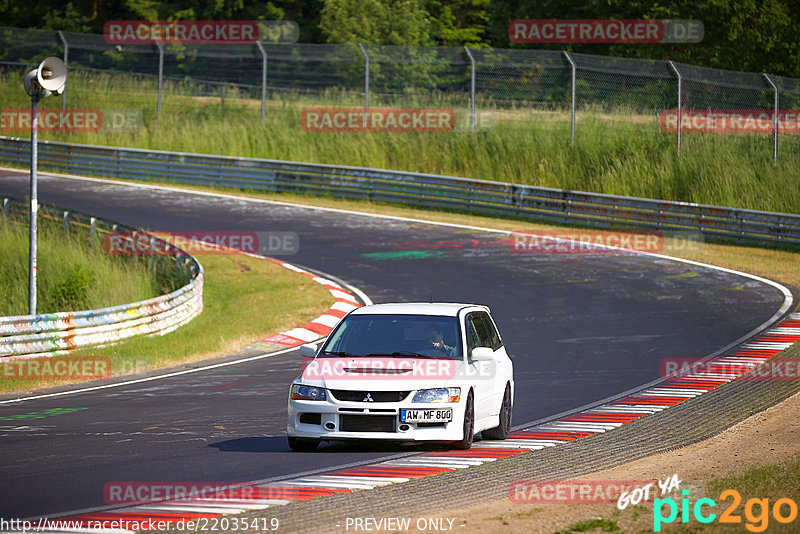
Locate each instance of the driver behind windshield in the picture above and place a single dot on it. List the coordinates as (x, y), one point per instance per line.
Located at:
(435, 340)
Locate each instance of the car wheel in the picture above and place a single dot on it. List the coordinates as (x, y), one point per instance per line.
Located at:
(502, 430)
(469, 425)
(303, 445)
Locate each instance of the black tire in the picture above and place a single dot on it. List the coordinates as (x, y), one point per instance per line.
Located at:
(468, 426)
(303, 444)
(504, 428)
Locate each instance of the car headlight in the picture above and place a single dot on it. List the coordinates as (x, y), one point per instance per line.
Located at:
(301, 392)
(437, 395)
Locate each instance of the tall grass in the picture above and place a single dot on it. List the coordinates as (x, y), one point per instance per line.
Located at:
(71, 274)
(244, 299)
(623, 153)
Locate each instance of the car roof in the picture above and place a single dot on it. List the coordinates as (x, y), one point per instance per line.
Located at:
(450, 309)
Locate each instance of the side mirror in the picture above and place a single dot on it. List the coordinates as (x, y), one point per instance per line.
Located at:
(309, 350)
(482, 354)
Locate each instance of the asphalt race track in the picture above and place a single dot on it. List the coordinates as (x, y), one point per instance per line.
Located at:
(579, 327)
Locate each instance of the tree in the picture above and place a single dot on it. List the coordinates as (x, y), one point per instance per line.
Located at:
(745, 35)
(458, 22)
(391, 22)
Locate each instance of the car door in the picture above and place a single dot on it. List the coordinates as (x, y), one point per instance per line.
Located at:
(484, 373)
(503, 370)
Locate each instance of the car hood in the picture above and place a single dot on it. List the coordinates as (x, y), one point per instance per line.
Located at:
(382, 374)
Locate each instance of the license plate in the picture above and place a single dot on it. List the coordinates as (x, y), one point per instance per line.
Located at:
(438, 415)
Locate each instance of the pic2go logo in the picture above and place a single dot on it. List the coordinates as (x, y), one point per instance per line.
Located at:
(757, 521)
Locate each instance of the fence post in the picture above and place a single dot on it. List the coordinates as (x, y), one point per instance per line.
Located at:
(774, 118)
(680, 102)
(6, 208)
(572, 106)
(471, 93)
(366, 82)
(66, 64)
(66, 223)
(263, 81)
(160, 75)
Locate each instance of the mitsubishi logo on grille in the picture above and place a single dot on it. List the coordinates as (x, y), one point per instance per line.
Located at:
(368, 398)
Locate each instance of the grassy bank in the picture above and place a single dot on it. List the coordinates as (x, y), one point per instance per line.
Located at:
(622, 153)
(758, 488)
(71, 274)
(245, 299)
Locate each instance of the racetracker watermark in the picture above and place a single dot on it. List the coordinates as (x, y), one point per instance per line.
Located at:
(570, 492)
(602, 242)
(181, 31)
(201, 243)
(374, 368)
(605, 31)
(57, 368)
(378, 120)
(72, 120)
(730, 121)
(385, 368)
(774, 369)
(133, 493)
(124, 32)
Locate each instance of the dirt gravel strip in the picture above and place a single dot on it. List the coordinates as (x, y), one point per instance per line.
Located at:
(690, 422)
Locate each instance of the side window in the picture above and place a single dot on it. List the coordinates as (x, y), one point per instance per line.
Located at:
(494, 337)
(472, 335)
(477, 323)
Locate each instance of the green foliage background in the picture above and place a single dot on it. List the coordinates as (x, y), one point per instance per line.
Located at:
(745, 35)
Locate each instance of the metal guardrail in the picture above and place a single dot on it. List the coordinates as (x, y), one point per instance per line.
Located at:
(28, 336)
(425, 190)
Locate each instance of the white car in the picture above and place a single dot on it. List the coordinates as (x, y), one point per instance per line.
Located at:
(404, 372)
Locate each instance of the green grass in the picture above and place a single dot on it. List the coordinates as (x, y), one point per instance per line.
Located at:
(592, 525)
(621, 152)
(71, 274)
(765, 482)
(245, 299)
(770, 482)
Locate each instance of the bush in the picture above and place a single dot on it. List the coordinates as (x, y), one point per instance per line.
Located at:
(72, 289)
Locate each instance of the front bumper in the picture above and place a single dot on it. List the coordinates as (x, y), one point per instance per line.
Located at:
(324, 420)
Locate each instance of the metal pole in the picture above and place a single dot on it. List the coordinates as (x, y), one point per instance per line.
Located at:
(34, 205)
(680, 102)
(774, 118)
(366, 83)
(572, 105)
(160, 76)
(66, 64)
(263, 81)
(471, 93)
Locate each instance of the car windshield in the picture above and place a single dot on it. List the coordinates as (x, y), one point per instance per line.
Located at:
(410, 336)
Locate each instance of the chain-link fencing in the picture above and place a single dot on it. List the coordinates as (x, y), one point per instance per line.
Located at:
(688, 102)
